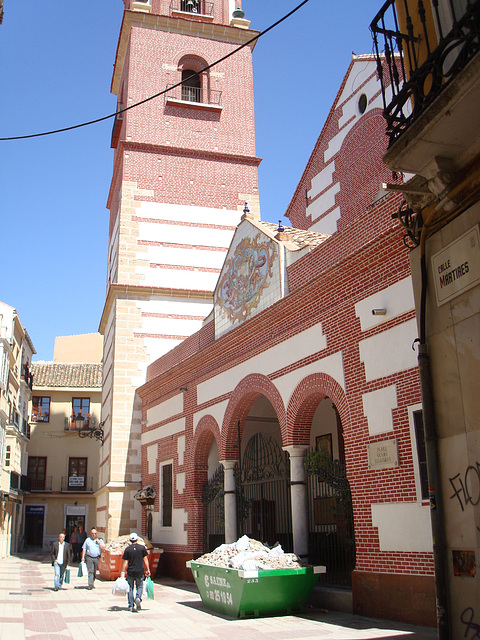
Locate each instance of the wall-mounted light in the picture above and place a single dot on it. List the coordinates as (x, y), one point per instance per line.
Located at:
(183, 388)
(90, 431)
(379, 312)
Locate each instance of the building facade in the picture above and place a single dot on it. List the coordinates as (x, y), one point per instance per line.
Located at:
(309, 346)
(65, 441)
(432, 122)
(16, 351)
(184, 165)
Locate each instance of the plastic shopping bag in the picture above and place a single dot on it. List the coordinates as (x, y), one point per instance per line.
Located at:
(82, 570)
(120, 587)
(149, 586)
(66, 576)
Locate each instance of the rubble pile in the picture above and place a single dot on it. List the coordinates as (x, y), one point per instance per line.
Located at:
(118, 545)
(250, 555)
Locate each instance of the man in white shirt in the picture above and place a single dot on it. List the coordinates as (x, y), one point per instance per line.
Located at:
(61, 557)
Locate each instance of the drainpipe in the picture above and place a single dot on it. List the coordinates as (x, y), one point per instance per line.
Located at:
(436, 501)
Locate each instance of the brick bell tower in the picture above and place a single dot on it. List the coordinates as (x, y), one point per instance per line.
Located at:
(184, 165)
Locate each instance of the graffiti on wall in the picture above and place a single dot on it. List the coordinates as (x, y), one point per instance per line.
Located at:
(472, 628)
(466, 487)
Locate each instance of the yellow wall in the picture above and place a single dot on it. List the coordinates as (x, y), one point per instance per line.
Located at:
(87, 347)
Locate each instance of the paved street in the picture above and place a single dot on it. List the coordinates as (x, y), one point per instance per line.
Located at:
(30, 608)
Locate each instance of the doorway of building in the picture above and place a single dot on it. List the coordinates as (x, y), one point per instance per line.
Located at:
(34, 523)
(331, 540)
(263, 492)
(73, 521)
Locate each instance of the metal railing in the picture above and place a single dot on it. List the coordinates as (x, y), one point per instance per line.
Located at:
(195, 7)
(194, 94)
(76, 483)
(418, 64)
(71, 425)
(331, 536)
(41, 484)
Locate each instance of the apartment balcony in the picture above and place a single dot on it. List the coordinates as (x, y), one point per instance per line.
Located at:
(25, 428)
(27, 377)
(191, 9)
(74, 423)
(429, 66)
(41, 485)
(196, 97)
(76, 484)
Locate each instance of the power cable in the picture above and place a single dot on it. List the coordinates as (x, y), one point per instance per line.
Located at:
(160, 93)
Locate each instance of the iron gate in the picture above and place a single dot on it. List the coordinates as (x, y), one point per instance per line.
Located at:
(214, 520)
(331, 538)
(263, 492)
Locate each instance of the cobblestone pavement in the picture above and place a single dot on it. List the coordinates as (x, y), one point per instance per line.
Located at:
(31, 609)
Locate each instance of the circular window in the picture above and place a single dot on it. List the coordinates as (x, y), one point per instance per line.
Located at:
(362, 103)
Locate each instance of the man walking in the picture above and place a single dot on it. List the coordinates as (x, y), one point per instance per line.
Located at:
(61, 554)
(91, 551)
(135, 557)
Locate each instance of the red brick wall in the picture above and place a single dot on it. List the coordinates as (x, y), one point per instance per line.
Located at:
(328, 298)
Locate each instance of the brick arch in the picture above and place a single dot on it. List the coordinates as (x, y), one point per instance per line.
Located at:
(241, 400)
(304, 402)
(191, 61)
(207, 430)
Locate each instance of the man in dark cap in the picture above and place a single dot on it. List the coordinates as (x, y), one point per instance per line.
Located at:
(135, 564)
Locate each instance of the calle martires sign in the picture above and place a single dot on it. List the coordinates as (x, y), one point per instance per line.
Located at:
(456, 268)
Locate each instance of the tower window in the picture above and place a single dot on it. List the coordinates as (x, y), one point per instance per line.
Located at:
(190, 6)
(191, 86)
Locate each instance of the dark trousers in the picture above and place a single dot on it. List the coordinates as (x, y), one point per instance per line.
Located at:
(92, 566)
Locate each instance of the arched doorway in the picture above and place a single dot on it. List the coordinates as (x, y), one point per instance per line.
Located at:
(262, 479)
(331, 539)
(213, 502)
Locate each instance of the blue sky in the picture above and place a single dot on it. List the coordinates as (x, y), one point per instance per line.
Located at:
(57, 60)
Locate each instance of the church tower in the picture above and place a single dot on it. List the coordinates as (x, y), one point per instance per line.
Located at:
(184, 165)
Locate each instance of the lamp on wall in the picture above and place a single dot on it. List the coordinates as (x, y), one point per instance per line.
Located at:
(79, 422)
(91, 431)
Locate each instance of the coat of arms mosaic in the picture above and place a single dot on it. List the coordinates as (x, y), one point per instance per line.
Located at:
(245, 277)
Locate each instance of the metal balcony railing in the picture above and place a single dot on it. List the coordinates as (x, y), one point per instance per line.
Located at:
(41, 484)
(27, 376)
(194, 94)
(25, 428)
(70, 423)
(195, 7)
(416, 79)
(77, 484)
(25, 484)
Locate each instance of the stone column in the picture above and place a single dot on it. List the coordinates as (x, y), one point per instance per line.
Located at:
(298, 491)
(230, 501)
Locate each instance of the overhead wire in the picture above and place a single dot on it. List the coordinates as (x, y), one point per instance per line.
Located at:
(160, 93)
